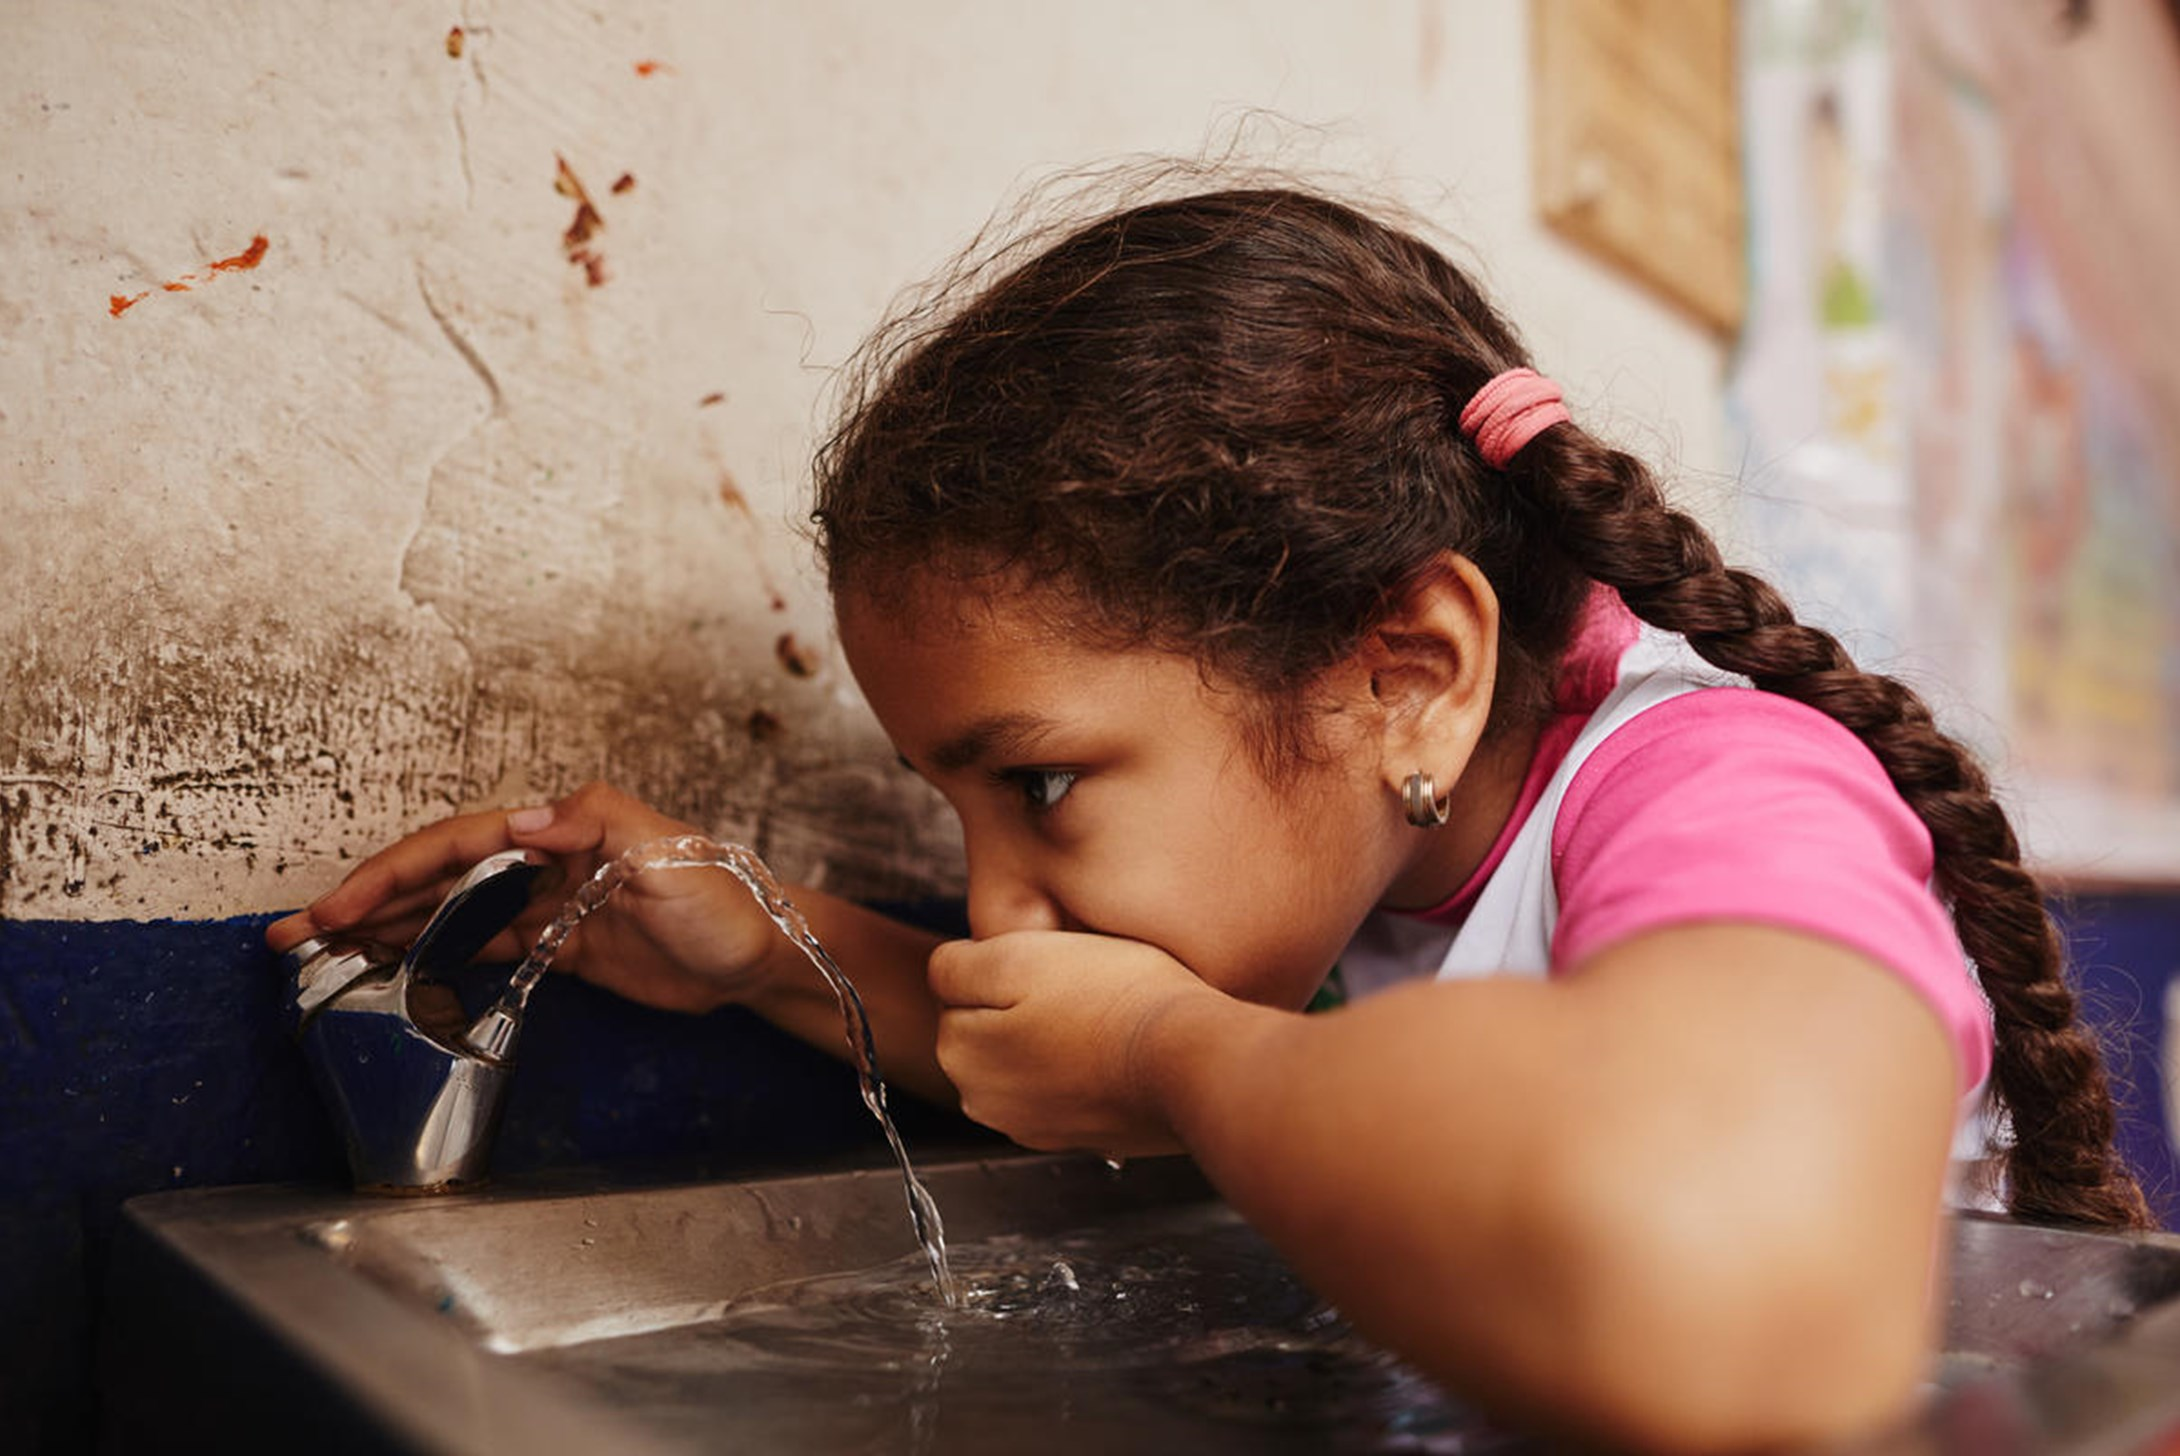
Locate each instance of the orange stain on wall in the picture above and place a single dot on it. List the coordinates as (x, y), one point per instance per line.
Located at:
(118, 304)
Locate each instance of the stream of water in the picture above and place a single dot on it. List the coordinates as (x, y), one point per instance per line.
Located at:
(493, 1031)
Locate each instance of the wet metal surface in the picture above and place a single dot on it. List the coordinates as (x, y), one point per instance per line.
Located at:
(791, 1314)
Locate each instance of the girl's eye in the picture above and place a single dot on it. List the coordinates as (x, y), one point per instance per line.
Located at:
(1041, 788)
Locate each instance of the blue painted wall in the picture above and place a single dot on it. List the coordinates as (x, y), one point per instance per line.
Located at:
(142, 1056)
(2126, 951)
(136, 1057)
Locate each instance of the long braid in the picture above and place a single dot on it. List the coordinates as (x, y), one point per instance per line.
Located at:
(1220, 420)
(1606, 512)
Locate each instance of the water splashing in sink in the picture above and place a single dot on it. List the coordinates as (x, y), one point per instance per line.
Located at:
(494, 1032)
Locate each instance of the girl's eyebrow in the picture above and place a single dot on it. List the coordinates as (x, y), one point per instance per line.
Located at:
(999, 734)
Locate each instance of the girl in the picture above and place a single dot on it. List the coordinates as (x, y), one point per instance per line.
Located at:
(1258, 612)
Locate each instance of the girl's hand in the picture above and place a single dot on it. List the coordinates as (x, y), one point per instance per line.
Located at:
(1041, 1031)
(683, 940)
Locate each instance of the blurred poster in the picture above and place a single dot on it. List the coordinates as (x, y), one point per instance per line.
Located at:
(1960, 384)
(1826, 492)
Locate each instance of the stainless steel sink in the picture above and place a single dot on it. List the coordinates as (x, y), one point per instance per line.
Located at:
(793, 1314)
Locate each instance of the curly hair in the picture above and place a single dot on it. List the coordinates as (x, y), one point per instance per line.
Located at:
(1224, 424)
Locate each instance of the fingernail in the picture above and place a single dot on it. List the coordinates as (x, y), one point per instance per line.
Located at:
(529, 821)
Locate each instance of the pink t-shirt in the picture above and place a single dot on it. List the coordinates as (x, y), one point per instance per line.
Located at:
(1734, 804)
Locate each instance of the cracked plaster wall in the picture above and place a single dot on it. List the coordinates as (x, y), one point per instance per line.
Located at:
(449, 494)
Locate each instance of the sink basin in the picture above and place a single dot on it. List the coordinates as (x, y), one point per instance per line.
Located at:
(793, 1314)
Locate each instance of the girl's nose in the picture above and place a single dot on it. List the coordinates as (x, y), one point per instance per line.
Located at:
(1002, 898)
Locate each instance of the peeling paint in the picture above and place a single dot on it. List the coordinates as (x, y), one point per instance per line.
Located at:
(799, 660)
(576, 240)
(120, 303)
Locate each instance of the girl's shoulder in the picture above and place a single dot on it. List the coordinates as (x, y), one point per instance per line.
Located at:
(1729, 803)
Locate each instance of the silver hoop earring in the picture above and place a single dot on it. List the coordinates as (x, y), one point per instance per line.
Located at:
(1420, 797)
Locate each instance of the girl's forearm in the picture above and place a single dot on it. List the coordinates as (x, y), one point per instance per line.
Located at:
(1498, 1180)
(1388, 1161)
(885, 960)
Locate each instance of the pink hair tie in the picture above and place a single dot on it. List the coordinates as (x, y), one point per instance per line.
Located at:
(1512, 409)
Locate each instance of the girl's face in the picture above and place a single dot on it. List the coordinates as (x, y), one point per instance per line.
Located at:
(1115, 792)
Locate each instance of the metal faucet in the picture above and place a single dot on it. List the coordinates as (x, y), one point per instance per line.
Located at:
(388, 1042)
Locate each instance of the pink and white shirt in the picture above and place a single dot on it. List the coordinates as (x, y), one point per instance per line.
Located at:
(1664, 792)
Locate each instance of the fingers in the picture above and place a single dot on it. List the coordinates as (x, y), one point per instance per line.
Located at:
(594, 819)
(972, 974)
(395, 919)
(290, 931)
(512, 944)
(951, 973)
(1000, 970)
(389, 895)
(432, 856)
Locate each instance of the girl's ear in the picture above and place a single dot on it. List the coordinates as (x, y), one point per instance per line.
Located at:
(1433, 664)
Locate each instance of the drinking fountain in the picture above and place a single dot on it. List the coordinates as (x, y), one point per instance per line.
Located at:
(388, 1043)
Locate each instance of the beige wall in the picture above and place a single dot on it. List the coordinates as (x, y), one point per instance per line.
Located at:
(410, 516)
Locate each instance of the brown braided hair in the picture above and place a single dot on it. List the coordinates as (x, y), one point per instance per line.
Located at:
(1223, 423)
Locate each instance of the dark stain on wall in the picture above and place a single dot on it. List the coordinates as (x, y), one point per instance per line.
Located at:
(202, 778)
(576, 241)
